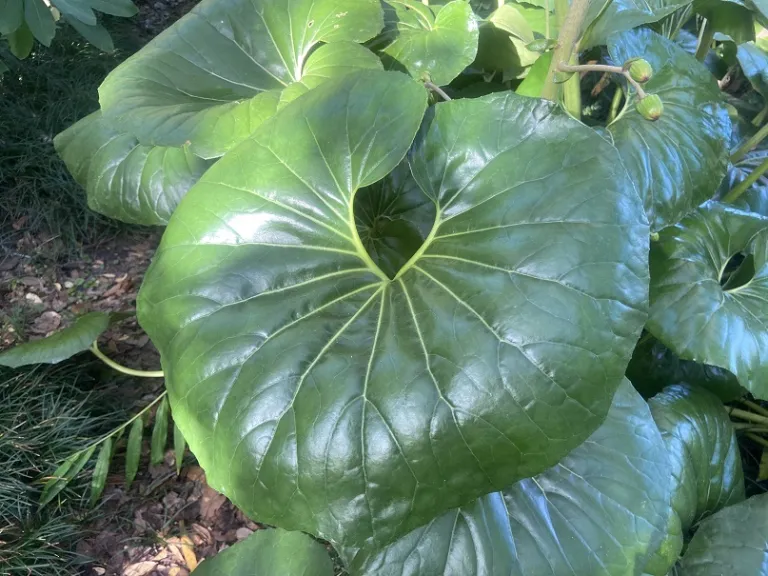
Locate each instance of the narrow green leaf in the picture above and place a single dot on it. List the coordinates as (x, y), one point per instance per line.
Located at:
(60, 346)
(64, 474)
(96, 34)
(179, 446)
(270, 553)
(21, 42)
(11, 15)
(100, 472)
(133, 451)
(159, 433)
(40, 20)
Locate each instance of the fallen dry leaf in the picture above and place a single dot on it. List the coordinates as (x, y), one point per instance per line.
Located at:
(178, 571)
(210, 503)
(139, 569)
(47, 322)
(187, 549)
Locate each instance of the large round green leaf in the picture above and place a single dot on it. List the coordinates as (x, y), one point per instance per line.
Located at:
(703, 452)
(323, 395)
(654, 367)
(692, 313)
(678, 161)
(270, 553)
(733, 542)
(599, 512)
(428, 46)
(59, 346)
(607, 17)
(222, 53)
(123, 179)
(220, 131)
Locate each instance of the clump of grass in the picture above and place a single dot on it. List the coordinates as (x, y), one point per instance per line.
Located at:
(39, 97)
(45, 414)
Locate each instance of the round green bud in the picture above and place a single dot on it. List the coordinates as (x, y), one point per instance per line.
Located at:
(651, 107)
(640, 70)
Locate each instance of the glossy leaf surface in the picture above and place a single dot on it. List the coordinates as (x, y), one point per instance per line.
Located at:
(654, 367)
(703, 452)
(607, 17)
(123, 179)
(692, 313)
(270, 553)
(598, 512)
(678, 161)
(59, 346)
(494, 352)
(220, 132)
(733, 542)
(754, 63)
(222, 53)
(429, 47)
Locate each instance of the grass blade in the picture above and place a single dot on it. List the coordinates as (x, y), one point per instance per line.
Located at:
(179, 446)
(64, 474)
(133, 451)
(159, 433)
(100, 472)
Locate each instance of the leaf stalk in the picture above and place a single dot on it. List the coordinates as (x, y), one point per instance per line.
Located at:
(706, 35)
(120, 368)
(437, 90)
(750, 145)
(563, 67)
(571, 22)
(743, 186)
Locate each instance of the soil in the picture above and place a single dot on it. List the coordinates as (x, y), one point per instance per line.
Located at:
(167, 523)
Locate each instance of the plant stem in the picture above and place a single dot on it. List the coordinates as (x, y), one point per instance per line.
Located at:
(756, 438)
(761, 116)
(546, 20)
(755, 407)
(605, 68)
(130, 371)
(706, 35)
(743, 186)
(437, 90)
(615, 104)
(750, 144)
(570, 20)
(746, 415)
